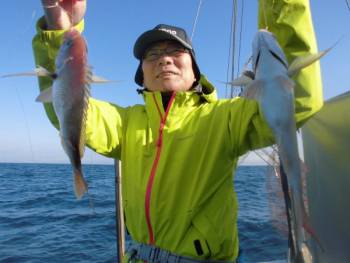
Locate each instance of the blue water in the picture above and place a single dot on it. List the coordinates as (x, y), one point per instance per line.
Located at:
(40, 220)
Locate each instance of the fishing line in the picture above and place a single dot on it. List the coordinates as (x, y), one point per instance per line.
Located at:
(231, 52)
(271, 156)
(240, 38)
(22, 105)
(19, 98)
(196, 19)
(275, 201)
(242, 159)
(240, 44)
(26, 123)
(263, 158)
(228, 62)
(233, 45)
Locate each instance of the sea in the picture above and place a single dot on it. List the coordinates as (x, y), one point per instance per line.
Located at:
(41, 221)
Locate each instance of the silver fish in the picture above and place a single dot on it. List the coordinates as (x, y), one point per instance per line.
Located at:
(271, 86)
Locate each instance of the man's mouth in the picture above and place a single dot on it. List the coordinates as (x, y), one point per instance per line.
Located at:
(166, 73)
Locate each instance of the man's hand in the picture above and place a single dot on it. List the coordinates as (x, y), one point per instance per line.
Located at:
(63, 14)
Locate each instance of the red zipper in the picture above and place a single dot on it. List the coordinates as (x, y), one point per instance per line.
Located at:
(155, 165)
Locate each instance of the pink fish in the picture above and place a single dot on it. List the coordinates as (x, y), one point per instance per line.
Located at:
(69, 94)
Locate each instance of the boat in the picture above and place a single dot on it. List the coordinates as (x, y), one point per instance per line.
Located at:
(326, 144)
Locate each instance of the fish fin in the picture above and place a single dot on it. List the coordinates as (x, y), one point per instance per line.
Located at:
(244, 79)
(91, 78)
(99, 80)
(43, 72)
(20, 74)
(67, 146)
(83, 123)
(45, 95)
(85, 107)
(287, 83)
(304, 61)
(39, 72)
(252, 91)
(82, 143)
(80, 186)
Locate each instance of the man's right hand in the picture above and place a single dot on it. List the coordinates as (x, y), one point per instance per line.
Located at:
(63, 14)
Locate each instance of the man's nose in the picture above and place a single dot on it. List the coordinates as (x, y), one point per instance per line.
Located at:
(165, 59)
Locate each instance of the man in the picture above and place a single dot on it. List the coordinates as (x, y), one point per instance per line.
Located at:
(180, 149)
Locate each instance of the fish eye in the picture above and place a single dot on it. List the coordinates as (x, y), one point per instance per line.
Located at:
(69, 42)
(250, 74)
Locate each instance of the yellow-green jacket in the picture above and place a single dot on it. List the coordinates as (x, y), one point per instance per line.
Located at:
(178, 162)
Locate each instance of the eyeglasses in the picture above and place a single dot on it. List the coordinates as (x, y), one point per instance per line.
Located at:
(154, 54)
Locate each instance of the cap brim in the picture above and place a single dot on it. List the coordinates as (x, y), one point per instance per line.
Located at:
(153, 36)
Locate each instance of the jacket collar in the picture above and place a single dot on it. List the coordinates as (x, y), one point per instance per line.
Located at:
(182, 105)
(205, 91)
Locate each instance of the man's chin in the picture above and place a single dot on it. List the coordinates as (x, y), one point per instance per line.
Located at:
(170, 85)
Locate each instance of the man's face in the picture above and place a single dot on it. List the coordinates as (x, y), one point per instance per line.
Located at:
(167, 66)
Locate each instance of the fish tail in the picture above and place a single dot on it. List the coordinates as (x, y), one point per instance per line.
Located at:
(80, 186)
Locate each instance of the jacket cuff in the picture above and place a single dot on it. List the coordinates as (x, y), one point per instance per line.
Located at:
(54, 37)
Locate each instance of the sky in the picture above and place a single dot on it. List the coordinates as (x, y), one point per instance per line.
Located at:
(112, 26)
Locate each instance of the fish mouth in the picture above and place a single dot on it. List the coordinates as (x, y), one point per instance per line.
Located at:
(166, 73)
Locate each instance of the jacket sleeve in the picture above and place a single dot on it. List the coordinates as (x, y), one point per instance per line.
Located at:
(104, 120)
(291, 22)
(247, 127)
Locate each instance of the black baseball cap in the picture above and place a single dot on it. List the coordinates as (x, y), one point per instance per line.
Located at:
(162, 32)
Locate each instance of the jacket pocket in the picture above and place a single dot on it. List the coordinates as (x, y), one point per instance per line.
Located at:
(194, 244)
(201, 240)
(204, 226)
